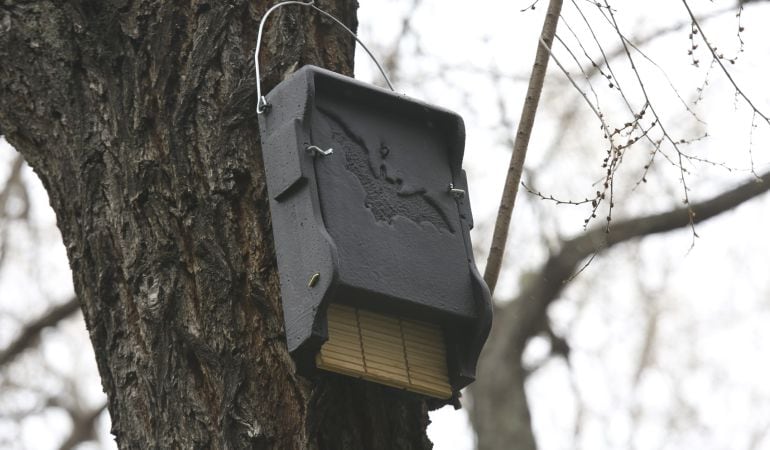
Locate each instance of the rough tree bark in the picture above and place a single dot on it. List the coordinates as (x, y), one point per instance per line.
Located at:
(139, 118)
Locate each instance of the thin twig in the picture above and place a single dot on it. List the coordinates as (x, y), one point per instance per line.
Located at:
(668, 137)
(521, 143)
(595, 109)
(721, 65)
(531, 7)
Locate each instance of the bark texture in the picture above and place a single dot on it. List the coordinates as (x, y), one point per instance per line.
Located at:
(139, 117)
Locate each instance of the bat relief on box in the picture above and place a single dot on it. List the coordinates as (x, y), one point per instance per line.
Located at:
(387, 193)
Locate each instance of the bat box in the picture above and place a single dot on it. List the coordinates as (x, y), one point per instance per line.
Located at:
(371, 222)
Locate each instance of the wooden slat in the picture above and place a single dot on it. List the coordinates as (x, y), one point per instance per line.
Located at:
(389, 350)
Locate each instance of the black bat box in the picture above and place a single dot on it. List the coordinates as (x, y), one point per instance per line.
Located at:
(371, 222)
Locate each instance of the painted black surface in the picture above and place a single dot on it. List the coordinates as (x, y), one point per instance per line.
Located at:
(375, 219)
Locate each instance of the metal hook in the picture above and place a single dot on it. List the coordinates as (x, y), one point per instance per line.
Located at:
(262, 104)
(318, 150)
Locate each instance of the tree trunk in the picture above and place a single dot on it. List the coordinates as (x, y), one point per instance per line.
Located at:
(500, 413)
(139, 117)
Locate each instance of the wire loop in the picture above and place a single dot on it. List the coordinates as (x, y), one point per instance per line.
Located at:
(262, 104)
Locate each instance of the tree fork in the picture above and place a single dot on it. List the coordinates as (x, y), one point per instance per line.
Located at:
(502, 412)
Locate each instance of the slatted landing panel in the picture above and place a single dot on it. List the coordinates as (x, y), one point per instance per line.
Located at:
(397, 352)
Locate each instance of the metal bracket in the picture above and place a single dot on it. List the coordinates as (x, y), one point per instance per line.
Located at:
(456, 193)
(315, 150)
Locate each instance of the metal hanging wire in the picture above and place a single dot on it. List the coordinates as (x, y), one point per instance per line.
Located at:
(262, 104)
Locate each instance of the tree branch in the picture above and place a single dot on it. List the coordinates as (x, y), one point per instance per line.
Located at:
(596, 67)
(718, 59)
(31, 331)
(82, 428)
(520, 145)
(561, 265)
(13, 181)
(500, 412)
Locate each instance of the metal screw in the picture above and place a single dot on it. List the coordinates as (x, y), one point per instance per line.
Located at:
(313, 280)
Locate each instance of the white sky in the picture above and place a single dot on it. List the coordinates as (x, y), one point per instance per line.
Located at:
(711, 354)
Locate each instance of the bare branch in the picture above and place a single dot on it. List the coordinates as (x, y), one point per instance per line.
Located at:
(521, 143)
(718, 59)
(561, 265)
(596, 67)
(31, 332)
(13, 182)
(391, 60)
(83, 428)
(674, 142)
(499, 389)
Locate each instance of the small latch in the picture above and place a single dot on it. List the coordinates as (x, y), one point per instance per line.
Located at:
(456, 192)
(314, 149)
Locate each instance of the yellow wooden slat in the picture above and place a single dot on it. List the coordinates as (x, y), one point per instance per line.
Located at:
(337, 355)
(389, 350)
